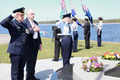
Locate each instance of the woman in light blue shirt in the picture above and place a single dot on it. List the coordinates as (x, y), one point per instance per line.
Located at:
(75, 34)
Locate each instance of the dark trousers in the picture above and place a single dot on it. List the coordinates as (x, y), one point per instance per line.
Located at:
(99, 38)
(31, 59)
(66, 47)
(57, 49)
(87, 40)
(17, 66)
(75, 33)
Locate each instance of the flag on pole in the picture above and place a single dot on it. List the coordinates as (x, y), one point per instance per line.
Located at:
(73, 15)
(79, 24)
(62, 12)
(63, 8)
(63, 5)
(73, 12)
(87, 13)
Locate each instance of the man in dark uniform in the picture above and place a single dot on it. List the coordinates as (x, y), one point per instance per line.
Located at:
(87, 33)
(67, 38)
(17, 44)
(57, 43)
(34, 44)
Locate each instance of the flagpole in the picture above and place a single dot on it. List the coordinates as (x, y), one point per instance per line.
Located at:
(65, 7)
(75, 11)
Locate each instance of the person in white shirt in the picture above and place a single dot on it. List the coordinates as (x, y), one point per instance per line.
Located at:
(75, 34)
(99, 31)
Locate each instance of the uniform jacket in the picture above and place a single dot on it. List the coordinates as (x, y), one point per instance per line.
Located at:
(17, 44)
(86, 28)
(31, 32)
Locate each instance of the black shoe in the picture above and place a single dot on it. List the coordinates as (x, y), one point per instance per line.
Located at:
(54, 60)
(74, 51)
(87, 48)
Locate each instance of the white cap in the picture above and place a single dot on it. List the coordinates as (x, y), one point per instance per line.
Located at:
(86, 17)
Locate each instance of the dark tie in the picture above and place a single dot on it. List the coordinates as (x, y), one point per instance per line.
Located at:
(69, 28)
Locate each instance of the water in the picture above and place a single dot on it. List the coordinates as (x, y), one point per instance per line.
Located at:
(110, 32)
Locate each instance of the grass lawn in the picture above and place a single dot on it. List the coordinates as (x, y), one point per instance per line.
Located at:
(48, 50)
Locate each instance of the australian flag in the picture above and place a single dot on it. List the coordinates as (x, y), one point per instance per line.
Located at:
(62, 2)
(73, 15)
(87, 13)
(73, 12)
(63, 8)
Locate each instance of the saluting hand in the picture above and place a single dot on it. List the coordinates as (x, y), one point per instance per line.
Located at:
(16, 14)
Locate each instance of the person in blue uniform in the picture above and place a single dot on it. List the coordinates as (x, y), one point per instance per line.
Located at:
(75, 33)
(67, 38)
(87, 33)
(17, 44)
(99, 31)
(34, 44)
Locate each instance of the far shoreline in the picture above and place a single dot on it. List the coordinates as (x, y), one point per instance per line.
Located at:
(112, 23)
(81, 23)
(5, 38)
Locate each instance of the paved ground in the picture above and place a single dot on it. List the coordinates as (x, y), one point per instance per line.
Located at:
(44, 68)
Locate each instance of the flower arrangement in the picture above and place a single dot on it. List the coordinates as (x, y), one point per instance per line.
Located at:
(92, 64)
(111, 56)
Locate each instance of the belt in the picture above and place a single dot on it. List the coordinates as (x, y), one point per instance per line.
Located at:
(74, 31)
(66, 36)
(60, 35)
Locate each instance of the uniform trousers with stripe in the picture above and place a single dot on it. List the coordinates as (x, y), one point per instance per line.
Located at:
(99, 39)
(17, 66)
(75, 33)
(66, 47)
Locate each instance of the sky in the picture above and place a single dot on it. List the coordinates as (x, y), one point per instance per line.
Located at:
(47, 10)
